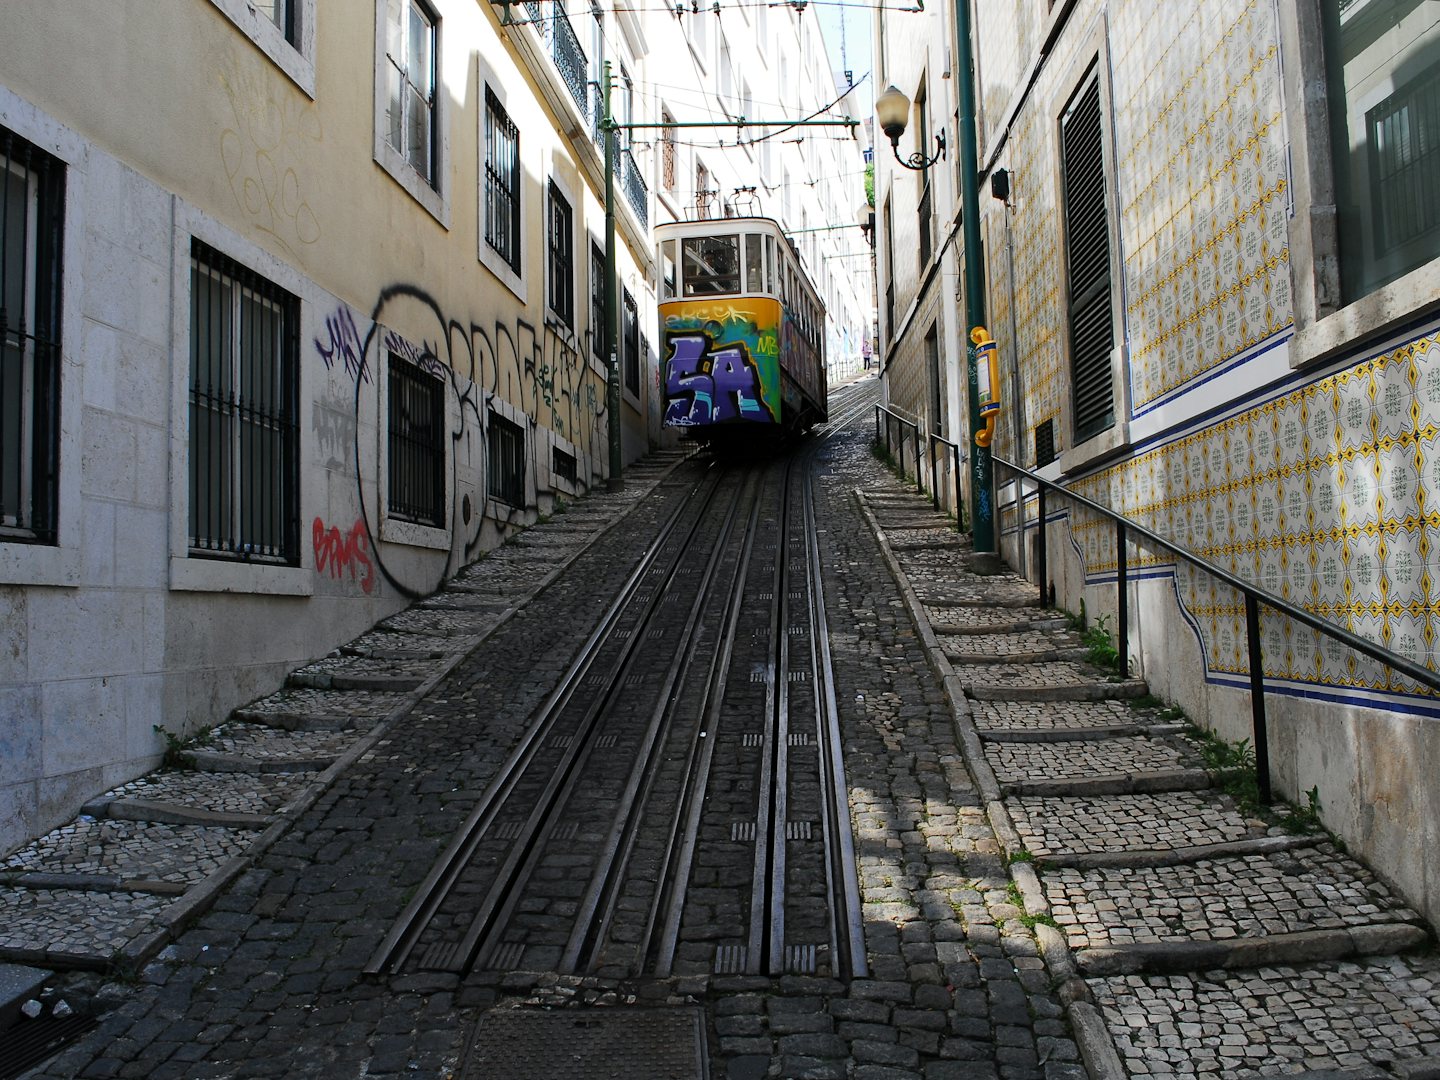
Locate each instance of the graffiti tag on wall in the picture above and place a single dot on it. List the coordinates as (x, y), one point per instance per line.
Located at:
(338, 554)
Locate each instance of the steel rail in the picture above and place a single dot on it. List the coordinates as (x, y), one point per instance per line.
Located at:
(597, 906)
(395, 949)
(480, 941)
(847, 945)
(708, 735)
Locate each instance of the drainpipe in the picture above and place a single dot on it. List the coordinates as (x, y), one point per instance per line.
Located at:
(982, 502)
(612, 296)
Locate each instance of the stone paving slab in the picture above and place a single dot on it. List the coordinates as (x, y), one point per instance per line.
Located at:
(1310, 888)
(978, 591)
(223, 792)
(1045, 716)
(1054, 825)
(261, 743)
(394, 644)
(131, 850)
(1007, 645)
(986, 618)
(440, 624)
(1071, 760)
(1268, 1021)
(356, 672)
(46, 925)
(1066, 674)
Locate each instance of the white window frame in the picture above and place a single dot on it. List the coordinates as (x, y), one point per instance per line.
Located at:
(512, 279)
(398, 530)
(556, 318)
(58, 564)
(434, 197)
(296, 59)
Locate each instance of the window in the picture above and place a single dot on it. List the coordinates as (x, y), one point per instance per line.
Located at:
(282, 14)
(32, 202)
(925, 224)
(284, 30)
(506, 442)
(755, 264)
(667, 151)
(410, 81)
(502, 182)
(416, 440)
(630, 344)
(703, 193)
(563, 465)
(710, 265)
(1383, 82)
(599, 329)
(1087, 236)
(244, 379)
(562, 257)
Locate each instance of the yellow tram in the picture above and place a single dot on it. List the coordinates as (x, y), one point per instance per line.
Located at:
(742, 328)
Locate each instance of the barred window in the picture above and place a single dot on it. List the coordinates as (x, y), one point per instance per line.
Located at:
(667, 152)
(244, 379)
(599, 328)
(410, 50)
(502, 182)
(631, 344)
(416, 433)
(562, 256)
(32, 203)
(563, 465)
(506, 442)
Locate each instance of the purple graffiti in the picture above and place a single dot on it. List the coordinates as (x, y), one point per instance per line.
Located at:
(690, 391)
(422, 356)
(704, 386)
(345, 343)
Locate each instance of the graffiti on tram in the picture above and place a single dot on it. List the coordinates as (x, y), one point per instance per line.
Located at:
(721, 363)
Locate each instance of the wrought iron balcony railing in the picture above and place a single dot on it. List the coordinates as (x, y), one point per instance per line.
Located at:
(570, 59)
(635, 189)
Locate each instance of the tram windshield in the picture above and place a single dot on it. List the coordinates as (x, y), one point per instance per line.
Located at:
(710, 265)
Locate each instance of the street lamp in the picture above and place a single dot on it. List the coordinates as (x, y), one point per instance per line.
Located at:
(865, 218)
(892, 108)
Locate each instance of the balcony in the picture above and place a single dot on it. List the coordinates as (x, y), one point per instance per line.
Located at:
(565, 49)
(636, 193)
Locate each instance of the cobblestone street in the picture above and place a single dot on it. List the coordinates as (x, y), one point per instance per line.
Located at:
(1051, 887)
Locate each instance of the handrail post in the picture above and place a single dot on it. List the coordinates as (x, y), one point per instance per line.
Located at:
(1123, 599)
(887, 433)
(1257, 697)
(877, 425)
(1041, 567)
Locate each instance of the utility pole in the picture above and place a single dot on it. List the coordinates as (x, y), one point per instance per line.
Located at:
(612, 296)
(982, 501)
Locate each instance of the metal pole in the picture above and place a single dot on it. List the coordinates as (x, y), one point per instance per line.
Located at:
(877, 425)
(1122, 630)
(919, 486)
(612, 294)
(1257, 698)
(1040, 554)
(934, 485)
(981, 478)
(959, 495)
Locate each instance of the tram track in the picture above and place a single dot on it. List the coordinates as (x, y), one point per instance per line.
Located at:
(677, 804)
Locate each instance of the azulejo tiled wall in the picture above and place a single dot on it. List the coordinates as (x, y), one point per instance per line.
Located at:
(1202, 183)
(1326, 494)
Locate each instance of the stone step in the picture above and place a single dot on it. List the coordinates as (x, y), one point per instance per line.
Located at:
(320, 679)
(258, 748)
(319, 710)
(1136, 757)
(176, 855)
(1061, 680)
(1130, 829)
(1279, 1020)
(183, 797)
(1115, 784)
(1058, 721)
(74, 928)
(448, 624)
(1301, 905)
(173, 814)
(1001, 622)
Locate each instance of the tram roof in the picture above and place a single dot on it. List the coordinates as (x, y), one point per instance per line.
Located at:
(713, 226)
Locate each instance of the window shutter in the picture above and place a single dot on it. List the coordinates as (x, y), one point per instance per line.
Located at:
(1088, 264)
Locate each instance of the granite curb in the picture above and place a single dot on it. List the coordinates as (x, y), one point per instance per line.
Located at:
(1097, 1047)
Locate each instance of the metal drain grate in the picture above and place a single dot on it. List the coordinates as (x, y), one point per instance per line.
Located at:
(797, 830)
(638, 1044)
(508, 830)
(751, 738)
(799, 738)
(605, 742)
(801, 959)
(730, 959)
(742, 830)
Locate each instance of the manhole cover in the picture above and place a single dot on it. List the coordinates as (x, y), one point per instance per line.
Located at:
(588, 1044)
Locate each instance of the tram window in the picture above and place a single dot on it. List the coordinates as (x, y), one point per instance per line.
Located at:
(667, 265)
(711, 264)
(771, 279)
(754, 265)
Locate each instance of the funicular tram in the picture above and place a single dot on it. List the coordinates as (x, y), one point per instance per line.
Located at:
(742, 332)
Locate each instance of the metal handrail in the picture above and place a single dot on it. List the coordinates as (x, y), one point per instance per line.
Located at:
(960, 458)
(1254, 597)
(890, 414)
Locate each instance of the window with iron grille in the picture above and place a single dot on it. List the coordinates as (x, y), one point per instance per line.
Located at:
(416, 442)
(562, 256)
(244, 380)
(667, 151)
(599, 328)
(631, 344)
(411, 79)
(1087, 236)
(506, 442)
(32, 208)
(563, 465)
(502, 182)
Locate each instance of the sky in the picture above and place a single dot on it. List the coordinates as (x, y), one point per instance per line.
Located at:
(846, 26)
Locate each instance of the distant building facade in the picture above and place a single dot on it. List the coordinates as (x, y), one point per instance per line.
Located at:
(300, 314)
(1215, 280)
